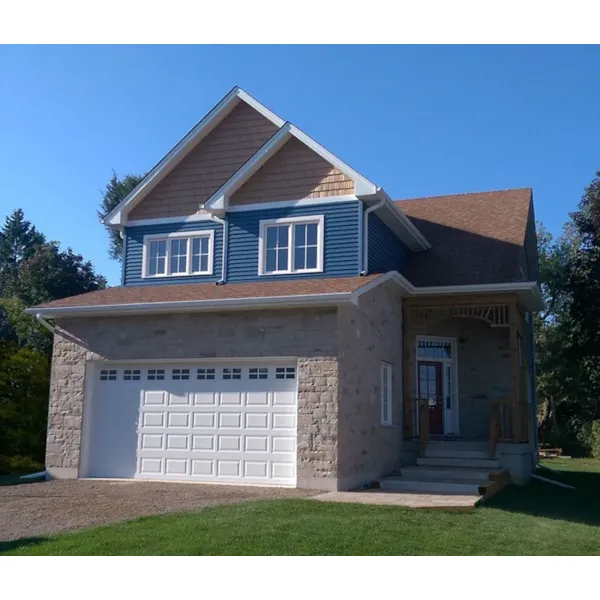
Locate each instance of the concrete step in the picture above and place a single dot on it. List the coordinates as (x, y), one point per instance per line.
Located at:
(448, 452)
(459, 444)
(405, 484)
(448, 474)
(443, 461)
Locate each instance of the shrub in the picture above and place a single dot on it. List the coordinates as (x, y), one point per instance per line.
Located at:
(19, 464)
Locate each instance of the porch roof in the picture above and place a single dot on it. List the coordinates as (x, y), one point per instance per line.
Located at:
(476, 238)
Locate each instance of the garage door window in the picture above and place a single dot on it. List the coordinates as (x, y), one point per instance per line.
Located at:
(259, 373)
(108, 375)
(180, 374)
(156, 374)
(131, 374)
(205, 374)
(285, 373)
(232, 373)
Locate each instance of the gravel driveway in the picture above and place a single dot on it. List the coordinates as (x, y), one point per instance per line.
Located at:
(38, 509)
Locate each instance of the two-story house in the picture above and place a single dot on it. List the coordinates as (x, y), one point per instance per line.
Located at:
(283, 321)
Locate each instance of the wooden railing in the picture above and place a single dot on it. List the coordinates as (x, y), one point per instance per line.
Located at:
(501, 423)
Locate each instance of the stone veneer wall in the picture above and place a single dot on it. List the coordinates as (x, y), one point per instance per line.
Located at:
(310, 335)
(369, 334)
(484, 371)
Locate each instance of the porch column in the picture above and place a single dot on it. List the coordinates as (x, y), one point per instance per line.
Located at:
(518, 373)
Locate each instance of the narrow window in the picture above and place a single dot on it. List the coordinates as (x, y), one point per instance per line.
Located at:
(277, 249)
(179, 256)
(386, 394)
(200, 254)
(158, 258)
(305, 246)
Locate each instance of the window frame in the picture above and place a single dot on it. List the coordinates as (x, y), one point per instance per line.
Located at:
(167, 238)
(386, 384)
(291, 222)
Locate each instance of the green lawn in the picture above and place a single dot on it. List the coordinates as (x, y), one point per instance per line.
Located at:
(537, 519)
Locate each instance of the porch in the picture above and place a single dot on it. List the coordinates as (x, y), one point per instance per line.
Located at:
(468, 377)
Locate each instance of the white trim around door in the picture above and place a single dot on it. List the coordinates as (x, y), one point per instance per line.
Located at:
(449, 381)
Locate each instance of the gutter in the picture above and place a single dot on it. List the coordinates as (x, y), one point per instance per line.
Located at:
(365, 235)
(534, 300)
(43, 322)
(225, 224)
(268, 302)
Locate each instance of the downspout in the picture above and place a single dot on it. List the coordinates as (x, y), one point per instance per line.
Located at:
(225, 244)
(44, 323)
(365, 257)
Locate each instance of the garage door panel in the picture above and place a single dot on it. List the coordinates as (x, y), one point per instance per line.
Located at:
(229, 424)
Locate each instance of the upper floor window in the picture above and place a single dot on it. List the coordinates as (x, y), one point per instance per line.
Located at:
(293, 245)
(178, 254)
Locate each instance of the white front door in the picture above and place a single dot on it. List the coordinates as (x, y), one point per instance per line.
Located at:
(215, 422)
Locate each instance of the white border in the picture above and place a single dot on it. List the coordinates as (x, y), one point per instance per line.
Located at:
(207, 233)
(455, 410)
(318, 219)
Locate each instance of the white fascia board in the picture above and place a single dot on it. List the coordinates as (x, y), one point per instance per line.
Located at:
(118, 215)
(362, 186)
(405, 229)
(528, 291)
(269, 302)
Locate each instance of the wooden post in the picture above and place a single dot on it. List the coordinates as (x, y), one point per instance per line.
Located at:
(524, 395)
(514, 366)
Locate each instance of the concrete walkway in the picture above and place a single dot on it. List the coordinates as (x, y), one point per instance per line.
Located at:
(401, 499)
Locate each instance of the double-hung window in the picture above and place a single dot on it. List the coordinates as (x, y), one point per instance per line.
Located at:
(178, 254)
(293, 245)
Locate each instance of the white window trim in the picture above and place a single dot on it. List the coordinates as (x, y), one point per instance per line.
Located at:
(209, 234)
(386, 378)
(291, 221)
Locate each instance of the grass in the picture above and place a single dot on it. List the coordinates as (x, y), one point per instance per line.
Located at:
(538, 519)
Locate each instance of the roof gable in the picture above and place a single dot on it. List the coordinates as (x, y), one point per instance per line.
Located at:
(219, 201)
(184, 147)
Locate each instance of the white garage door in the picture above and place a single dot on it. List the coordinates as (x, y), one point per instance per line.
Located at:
(229, 423)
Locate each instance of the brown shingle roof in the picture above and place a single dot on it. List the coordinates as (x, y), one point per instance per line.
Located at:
(209, 291)
(476, 238)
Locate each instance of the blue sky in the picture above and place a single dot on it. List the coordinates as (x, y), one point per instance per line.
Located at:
(417, 120)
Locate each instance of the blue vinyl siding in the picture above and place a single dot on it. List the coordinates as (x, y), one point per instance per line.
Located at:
(341, 240)
(386, 251)
(134, 249)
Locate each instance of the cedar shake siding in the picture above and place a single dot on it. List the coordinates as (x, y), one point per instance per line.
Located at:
(294, 172)
(208, 166)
